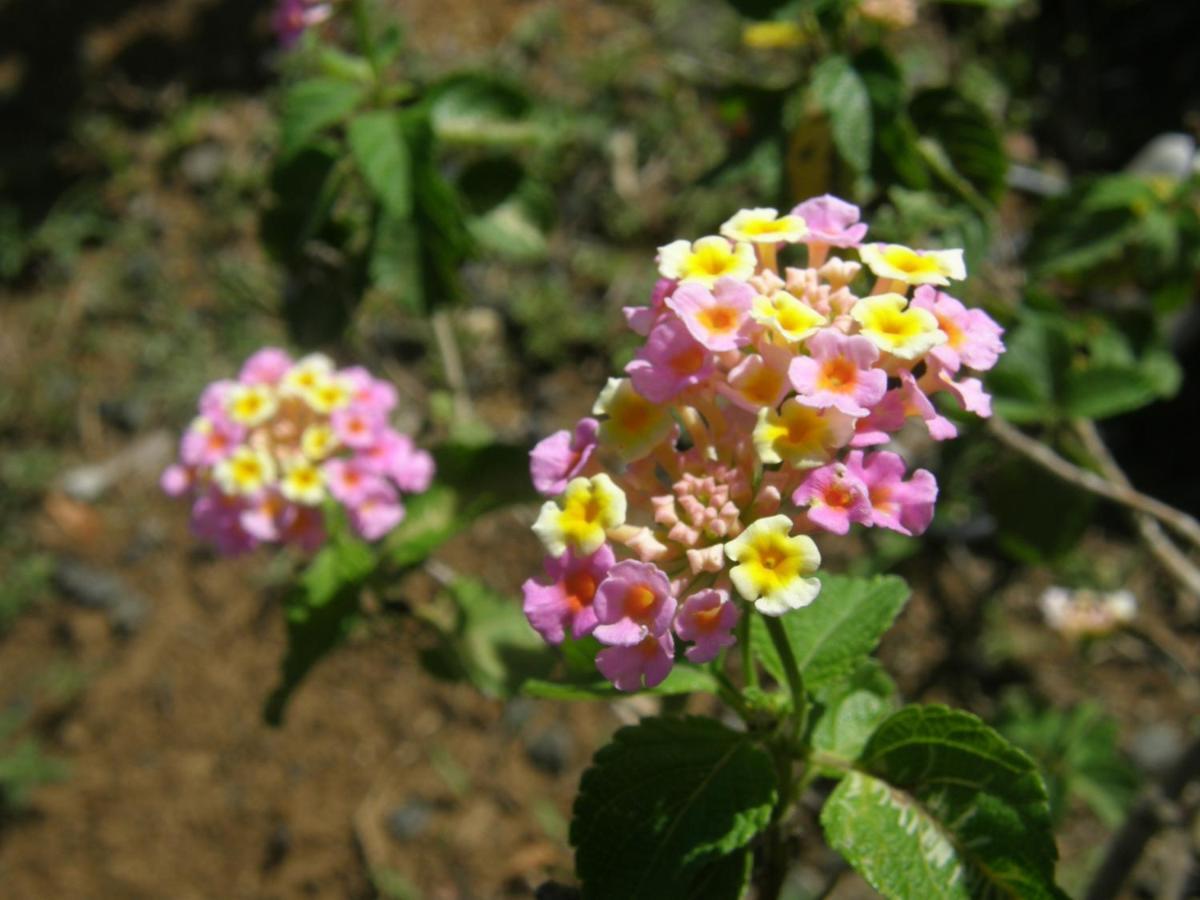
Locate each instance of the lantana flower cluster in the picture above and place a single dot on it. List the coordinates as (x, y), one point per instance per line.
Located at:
(751, 419)
(270, 450)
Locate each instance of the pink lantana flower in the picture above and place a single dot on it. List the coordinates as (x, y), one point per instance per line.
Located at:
(207, 441)
(917, 404)
(973, 337)
(968, 392)
(357, 427)
(567, 601)
(903, 506)
(651, 659)
(378, 512)
(888, 417)
(707, 619)
(555, 460)
(718, 319)
(265, 366)
(760, 380)
(217, 518)
(351, 481)
(838, 374)
(176, 480)
(670, 362)
(831, 221)
(633, 601)
(293, 17)
(835, 498)
(641, 319)
(369, 393)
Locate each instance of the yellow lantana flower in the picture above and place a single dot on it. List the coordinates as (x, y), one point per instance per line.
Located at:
(773, 566)
(800, 435)
(318, 441)
(328, 394)
(910, 266)
(246, 471)
(786, 315)
(590, 506)
(893, 326)
(706, 260)
(764, 226)
(306, 375)
(251, 404)
(633, 424)
(303, 483)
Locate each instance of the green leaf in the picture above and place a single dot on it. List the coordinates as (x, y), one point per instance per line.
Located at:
(479, 109)
(321, 609)
(851, 710)
(684, 679)
(1097, 392)
(1077, 750)
(379, 149)
(831, 637)
(1027, 382)
(1039, 517)
(941, 806)
(489, 642)
(842, 94)
(968, 136)
(311, 106)
(665, 799)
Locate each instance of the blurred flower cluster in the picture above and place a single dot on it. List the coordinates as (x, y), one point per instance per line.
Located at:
(748, 421)
(270, 450)
(1078, 614)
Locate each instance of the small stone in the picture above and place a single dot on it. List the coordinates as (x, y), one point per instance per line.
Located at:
(1156, 747)
(517, 713)
(409, 820)
(550, 751)
(95, 588)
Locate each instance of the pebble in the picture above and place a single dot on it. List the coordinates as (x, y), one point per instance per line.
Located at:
(409, 820)
(550, 751)
(95, 588)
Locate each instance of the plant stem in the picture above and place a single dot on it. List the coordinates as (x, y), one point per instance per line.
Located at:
(794, 679)
(366, 38)
(749, 669)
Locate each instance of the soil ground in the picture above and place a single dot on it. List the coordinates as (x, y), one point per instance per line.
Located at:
(383, 780)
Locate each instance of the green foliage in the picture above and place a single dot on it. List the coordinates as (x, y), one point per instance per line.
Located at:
(1039, 518)
(312, 105)
(377, 144)
(831, 637)
(321, 609)
(25, 581)
(667, 808)
(940, 805)
(1060, 366)
(577, 678)
(324, 604)
(851, 709)
(842, 94)
(24, 766)
(487, 642)
(1078, 754)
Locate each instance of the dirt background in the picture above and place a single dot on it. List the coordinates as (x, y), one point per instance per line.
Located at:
(145, 664)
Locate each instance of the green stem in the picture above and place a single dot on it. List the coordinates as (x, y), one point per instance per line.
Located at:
(729, 693)
(365, 35)
(749, 669)
(794, 679)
